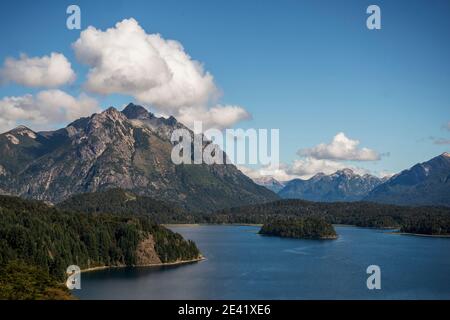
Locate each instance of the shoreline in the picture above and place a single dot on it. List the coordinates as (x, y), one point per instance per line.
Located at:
(201, 258)
(168, 225)
(334, 225)
(421, 234)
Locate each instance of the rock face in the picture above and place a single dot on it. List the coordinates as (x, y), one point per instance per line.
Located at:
(270, 183)
(146, 254)
(426, 183)
(343, 185)
(128, 150)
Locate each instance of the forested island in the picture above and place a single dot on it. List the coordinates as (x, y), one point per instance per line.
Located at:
(44, 241)
(303, 228)
(428, 220)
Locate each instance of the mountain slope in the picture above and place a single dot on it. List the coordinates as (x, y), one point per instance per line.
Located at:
(426, 183)
(343, 185)
(270, 183)
(128, 150)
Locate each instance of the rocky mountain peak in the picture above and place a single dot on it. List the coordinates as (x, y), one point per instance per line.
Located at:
(23, 131)
(346, 172)
(108, 150)
(133, 111)
(343, 185)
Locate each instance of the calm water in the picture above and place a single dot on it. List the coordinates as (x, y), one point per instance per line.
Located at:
(244, 265)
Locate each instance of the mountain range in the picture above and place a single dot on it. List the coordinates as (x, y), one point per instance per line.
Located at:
(426, 183)
(343, 185)
(130, 150)
(270, 183)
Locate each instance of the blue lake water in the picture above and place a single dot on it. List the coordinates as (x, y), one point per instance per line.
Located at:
(244, 265)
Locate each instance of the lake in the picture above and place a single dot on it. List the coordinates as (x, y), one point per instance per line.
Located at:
(242, 264)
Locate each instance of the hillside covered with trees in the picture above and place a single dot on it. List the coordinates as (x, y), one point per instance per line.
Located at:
(49, 239)
(427, 219)
(424, 220)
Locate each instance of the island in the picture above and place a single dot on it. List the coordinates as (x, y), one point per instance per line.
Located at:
(301, 228)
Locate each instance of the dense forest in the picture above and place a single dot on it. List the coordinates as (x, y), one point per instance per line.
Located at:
(426, 220)
(22, 281)
(51, 239)
(302, 228)
(119, 201)
(431, 225)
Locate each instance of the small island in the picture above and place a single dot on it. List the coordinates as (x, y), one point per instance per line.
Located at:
(300, 228)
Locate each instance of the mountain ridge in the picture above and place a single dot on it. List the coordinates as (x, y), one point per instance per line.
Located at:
(112, 149)
(343, 185)
(426, 183)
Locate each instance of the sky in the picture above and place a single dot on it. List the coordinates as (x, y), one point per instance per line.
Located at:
(377, 101)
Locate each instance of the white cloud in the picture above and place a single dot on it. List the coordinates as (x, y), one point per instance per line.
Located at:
(220, 117)
(47, 71)
(47, 108)
(127, 60)
(341, 148)
(308, 167)
(302, 169)
(448, 126)
(279, 173)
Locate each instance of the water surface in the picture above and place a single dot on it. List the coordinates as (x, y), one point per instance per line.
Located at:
(244, 265)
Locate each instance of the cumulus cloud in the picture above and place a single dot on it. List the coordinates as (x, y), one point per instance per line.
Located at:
(308, 167)
(220, 117)
(323, 158)
(301, 169)
(279, 173)
(341, 148)
(47, 108)
(127, 60)
(47, 71)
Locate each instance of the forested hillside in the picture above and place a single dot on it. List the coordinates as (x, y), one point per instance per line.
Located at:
(51, 239)
(426, 220)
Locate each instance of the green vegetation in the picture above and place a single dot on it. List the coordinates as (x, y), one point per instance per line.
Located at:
(304, 228)
(20, 281)
(118, 201)
(428, 225)
(51, 239)
(426, 220)
(362, 214)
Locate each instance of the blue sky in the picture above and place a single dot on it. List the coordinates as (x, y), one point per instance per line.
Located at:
(310, 68)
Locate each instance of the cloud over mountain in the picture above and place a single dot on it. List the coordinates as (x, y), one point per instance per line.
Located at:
(127, 60)
(340, 148)
(47, 108)
(48, 71)
(323, 158)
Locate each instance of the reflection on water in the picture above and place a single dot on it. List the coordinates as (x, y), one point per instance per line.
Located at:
(244, 265)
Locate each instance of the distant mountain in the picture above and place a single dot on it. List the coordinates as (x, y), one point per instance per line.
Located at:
(427, 183)
(130, 150)
(343, 185)
(270, 183)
